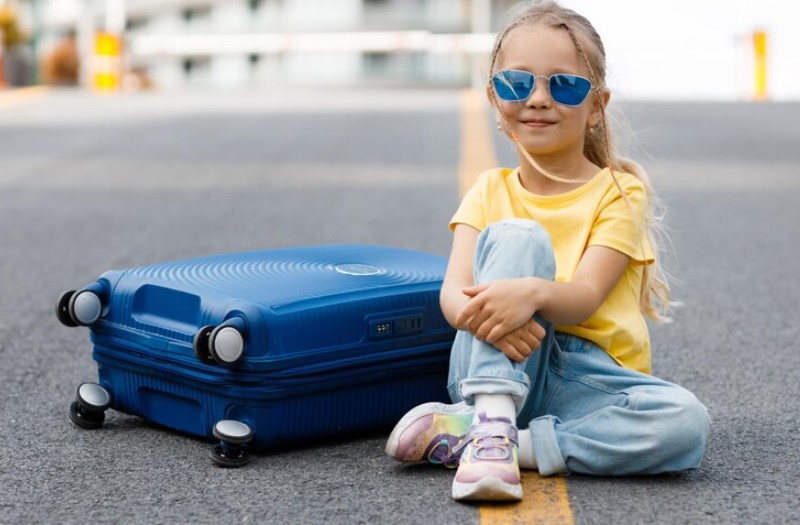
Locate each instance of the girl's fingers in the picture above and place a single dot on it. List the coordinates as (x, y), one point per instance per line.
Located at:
(525, 348)
(510, 352)
(481, 324)
(537, 329)
(472, 308)
(530, 340)
(472, 291)
(481, 319)
(519, 345)
(498, 331)
(532, 343)
(466, 314)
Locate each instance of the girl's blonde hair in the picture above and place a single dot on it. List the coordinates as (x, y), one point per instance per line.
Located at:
(654, 298)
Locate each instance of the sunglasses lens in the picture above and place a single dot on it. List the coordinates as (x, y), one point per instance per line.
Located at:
(569, 89)
(513, 85)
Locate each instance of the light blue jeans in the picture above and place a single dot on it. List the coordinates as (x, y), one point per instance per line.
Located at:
(586, 413)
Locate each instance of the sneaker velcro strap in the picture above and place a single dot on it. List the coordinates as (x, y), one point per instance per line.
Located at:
(441, 450)
(490, 428)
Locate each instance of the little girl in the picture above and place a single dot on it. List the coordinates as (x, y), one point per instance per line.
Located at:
(552, 272)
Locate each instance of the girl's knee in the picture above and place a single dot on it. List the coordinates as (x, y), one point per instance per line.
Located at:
(521, 231)
(687, 411)
(682, 426)
(693, 416)
(522, 245)
(690, 431)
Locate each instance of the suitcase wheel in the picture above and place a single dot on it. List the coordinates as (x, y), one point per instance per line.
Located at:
(200, 345)
(226, 344)
(232, 449)
(89, 408)
(223, 344)
(62, 309)
(80, 308)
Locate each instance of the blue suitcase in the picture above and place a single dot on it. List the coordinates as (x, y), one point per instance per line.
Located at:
(266, 349)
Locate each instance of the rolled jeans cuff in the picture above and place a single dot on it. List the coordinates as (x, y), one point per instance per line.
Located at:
(510, 382)
(545, 447)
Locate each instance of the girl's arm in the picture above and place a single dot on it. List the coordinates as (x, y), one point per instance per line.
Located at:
(459, 274)
(517, 344)
(500, 307)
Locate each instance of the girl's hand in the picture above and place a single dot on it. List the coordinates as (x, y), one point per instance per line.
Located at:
(519, 344)
(497, 308)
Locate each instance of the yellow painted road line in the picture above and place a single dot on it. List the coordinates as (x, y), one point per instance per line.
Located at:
(545, 500)
(21, 96)
(477, 147)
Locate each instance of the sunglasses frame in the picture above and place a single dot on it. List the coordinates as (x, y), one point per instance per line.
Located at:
(497, 77)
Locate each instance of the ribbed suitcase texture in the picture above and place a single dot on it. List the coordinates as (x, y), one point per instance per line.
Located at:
(309, 343)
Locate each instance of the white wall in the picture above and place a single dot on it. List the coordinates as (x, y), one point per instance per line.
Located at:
(695, 49)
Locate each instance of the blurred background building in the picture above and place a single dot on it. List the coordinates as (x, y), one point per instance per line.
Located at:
(659, 49)
(222, 44)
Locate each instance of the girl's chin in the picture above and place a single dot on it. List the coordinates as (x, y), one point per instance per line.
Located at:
(536, 148)
(540, 145)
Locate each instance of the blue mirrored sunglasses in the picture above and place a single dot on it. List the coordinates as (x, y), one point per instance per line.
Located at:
(513, 85)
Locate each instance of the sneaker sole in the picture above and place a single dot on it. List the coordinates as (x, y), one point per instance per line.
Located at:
(418, 412)
(487, 489)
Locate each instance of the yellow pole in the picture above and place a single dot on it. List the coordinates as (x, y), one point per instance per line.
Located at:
(107, 69)
(760, 53)
(2, 65)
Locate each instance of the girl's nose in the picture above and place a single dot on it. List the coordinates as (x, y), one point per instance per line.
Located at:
(540, 97)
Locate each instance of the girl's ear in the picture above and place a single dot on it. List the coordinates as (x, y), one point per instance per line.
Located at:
(597, 111)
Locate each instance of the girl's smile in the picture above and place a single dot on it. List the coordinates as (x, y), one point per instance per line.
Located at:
(537, 123)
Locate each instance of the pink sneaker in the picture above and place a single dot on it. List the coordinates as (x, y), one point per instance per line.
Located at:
(430, 432)
(489, 463)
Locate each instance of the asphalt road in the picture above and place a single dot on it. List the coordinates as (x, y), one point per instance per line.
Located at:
(91, 184)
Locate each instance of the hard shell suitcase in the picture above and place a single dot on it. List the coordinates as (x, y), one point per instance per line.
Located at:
(268, 348)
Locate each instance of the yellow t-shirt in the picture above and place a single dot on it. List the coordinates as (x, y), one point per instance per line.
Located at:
(591, 214)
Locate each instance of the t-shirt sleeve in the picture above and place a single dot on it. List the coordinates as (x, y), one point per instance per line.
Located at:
(620, 224)
(472, 211)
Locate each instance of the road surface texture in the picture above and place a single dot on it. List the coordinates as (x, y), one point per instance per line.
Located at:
(89, 184)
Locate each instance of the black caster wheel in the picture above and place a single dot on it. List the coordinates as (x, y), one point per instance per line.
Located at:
(62, 309)
(88, 410)
(81, 308)
(227, 457)
(232, 451)
(200, 345)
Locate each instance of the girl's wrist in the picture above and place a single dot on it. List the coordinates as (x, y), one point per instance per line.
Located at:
(537, 291)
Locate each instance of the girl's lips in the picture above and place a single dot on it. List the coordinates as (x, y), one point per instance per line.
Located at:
(537, 123)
